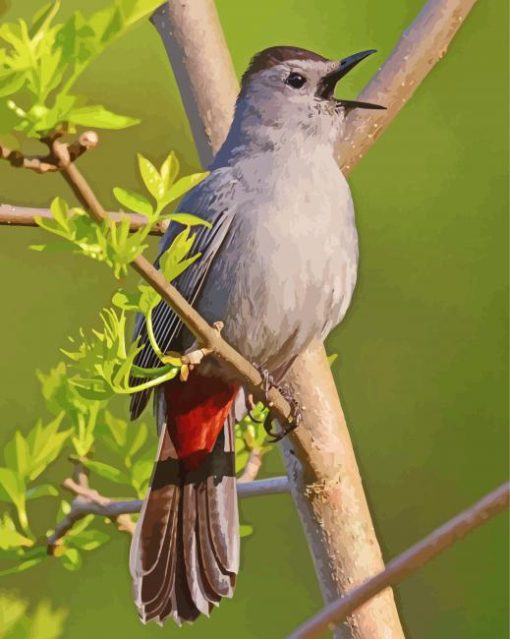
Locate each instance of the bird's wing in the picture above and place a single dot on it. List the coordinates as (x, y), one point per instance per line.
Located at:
(211, 201)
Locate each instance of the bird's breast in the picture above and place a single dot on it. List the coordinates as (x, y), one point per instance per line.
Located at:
(288, 272)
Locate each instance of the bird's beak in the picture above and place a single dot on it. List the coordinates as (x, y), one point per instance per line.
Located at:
(329, 82)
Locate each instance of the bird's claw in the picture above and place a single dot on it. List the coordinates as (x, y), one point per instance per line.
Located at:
(296, 415)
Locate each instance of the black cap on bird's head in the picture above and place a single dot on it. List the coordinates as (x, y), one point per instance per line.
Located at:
(306, 71)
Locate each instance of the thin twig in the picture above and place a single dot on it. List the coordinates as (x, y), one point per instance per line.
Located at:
(407, 563)
(48, 163)
(252, 468)
(33, 163)
(25, 216)
(90, 502)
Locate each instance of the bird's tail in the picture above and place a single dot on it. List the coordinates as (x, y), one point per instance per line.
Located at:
(185, 551)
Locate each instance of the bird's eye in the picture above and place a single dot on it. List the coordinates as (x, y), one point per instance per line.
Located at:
(295, 80)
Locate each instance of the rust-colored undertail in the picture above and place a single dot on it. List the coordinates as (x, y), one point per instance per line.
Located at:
(185, 551)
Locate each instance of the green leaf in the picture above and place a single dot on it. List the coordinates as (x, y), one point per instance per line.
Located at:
(98, 116)
(135, 10)
(12, 486)
(71, 559)
(187, 219)
(133, 201)
(43, 16)
(151, 177)
(332, 358)
(43, 490)
(182, 186)
(139, 438)
(9, 536)
(107, 471)
(11, 83)
(126, 300)
(169, 170)
(89, 539)
(12, 610)
(117, 428)
(46, 623)
(245, 530)
(21, 567)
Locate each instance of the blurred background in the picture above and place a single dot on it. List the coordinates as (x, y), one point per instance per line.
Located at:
(422, 367)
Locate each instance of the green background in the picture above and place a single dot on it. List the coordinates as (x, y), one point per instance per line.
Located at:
(423, 353)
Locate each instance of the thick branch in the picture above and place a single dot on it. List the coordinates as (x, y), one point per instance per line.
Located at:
(90, 502)
(407, 563)
(193, 38)
(424, 43)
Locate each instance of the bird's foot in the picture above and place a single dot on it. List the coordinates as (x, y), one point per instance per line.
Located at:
(296, 415)
(194, 356)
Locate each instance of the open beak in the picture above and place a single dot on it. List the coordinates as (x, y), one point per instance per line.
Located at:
(329, 82)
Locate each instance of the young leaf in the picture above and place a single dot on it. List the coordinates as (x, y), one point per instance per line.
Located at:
(187, 219)
(9, 536)
(245, 530)
(169, 170)
(11, 82)
(107, 471)
(43, 490)
(98, 116)
(89, 539)
(12, 486)
(71, 559)
(151, 177)
(182, 186)
(133, 201)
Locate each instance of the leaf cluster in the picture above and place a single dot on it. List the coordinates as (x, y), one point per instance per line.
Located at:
(41, 62)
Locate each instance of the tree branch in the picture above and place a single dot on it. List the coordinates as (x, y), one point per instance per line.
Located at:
(90, 502)
(419, 49)
(25, 216)
(407, 563)
(252, 468)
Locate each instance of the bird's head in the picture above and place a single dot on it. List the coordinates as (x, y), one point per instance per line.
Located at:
(291, 88)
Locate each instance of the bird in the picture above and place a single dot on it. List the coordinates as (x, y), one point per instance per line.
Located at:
(278, 268)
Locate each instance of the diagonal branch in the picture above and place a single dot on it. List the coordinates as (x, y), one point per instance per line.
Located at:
(407, 563)
(419, 49)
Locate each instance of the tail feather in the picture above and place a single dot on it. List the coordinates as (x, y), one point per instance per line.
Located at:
(219, 581)
(185, 551)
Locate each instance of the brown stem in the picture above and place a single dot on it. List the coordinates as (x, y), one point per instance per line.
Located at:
(252, 468)
(25, 216)
(407, 563)
(33, 163)
(47, 164)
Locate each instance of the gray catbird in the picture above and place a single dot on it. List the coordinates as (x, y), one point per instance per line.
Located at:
(278, 268)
